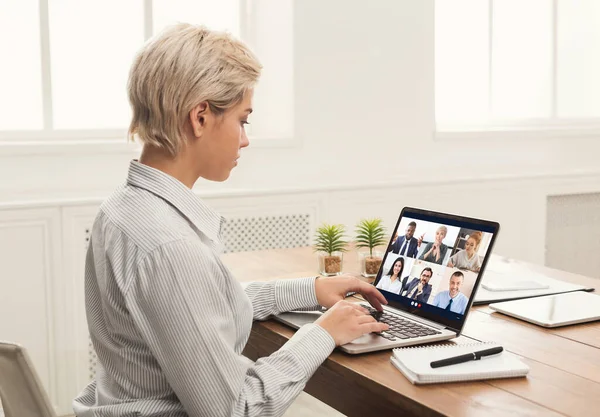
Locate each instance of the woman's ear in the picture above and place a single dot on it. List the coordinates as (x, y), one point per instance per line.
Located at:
(198, 116)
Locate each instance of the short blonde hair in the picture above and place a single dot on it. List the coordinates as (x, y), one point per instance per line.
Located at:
(178, 69)
(444, 229)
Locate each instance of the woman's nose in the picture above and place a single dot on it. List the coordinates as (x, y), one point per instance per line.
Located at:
(244, 142)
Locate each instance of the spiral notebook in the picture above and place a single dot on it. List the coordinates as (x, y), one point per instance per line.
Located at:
(414, 363)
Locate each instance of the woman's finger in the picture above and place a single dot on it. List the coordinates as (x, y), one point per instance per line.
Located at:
(373, 296)
(366, 319)
(359, 309)
(376, 327)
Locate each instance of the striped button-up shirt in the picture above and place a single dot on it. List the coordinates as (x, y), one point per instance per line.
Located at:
(169, 321)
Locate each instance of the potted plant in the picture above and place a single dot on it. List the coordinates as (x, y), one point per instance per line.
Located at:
(331, 245)
(370, 233)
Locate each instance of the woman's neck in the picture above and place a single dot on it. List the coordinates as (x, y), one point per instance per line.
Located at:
(179, 167)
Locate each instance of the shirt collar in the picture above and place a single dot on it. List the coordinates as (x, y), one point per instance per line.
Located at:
(179, 196)
(456, 296)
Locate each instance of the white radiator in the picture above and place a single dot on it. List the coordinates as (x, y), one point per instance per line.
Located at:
(268, 232)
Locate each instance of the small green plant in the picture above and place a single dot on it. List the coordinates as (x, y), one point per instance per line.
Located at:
(330, 238)
(370, 233)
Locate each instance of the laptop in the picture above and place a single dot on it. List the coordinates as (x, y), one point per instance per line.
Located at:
(429, 275)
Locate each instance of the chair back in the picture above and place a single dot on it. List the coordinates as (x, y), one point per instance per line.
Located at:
(21, 391)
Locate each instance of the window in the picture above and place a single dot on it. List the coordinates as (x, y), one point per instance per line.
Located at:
(517, 65)
(70, 61)
(20, 80)
(89, 71)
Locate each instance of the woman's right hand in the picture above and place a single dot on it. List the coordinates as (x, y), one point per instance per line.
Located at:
(346, 321)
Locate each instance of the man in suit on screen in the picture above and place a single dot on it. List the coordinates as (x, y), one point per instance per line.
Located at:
(407, 245)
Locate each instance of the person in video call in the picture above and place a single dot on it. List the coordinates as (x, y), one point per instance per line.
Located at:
(419, 289)
(468, 258)
(168, 319)
(453, 300)
(391, 282)
(407, 245)
(435, 251)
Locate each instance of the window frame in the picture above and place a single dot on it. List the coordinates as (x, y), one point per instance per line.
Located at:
(60, 141)
(526, 128)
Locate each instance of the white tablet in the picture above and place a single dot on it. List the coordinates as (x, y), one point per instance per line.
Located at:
(553, 310)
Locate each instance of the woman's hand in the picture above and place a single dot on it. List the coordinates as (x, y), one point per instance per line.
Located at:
(436, 251)
(430, 252)
(331, 290)
(347, 321)
(420, 240)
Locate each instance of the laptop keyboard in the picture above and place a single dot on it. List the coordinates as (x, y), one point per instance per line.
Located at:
(400, 328)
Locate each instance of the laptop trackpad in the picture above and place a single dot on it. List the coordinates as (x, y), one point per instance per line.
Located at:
(297, 319)
(366, 339)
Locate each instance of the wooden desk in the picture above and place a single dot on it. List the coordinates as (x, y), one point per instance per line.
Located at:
(565, 363)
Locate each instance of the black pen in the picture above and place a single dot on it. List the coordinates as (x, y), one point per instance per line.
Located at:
(466, 358)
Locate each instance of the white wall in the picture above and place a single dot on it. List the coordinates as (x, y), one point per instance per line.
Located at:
(363, 113)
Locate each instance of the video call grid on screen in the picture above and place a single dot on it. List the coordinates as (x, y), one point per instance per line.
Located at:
(443, 255)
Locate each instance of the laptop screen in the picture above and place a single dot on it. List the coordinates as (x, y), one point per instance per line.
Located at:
(434, 263)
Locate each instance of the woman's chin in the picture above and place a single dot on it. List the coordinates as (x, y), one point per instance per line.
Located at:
(224, 177)
(218, 177)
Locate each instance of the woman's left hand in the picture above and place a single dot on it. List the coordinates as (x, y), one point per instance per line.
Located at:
(331, 290)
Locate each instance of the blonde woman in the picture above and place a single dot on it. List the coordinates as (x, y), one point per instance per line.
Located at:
(436, 250)
(468, 258)
(166, 317)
